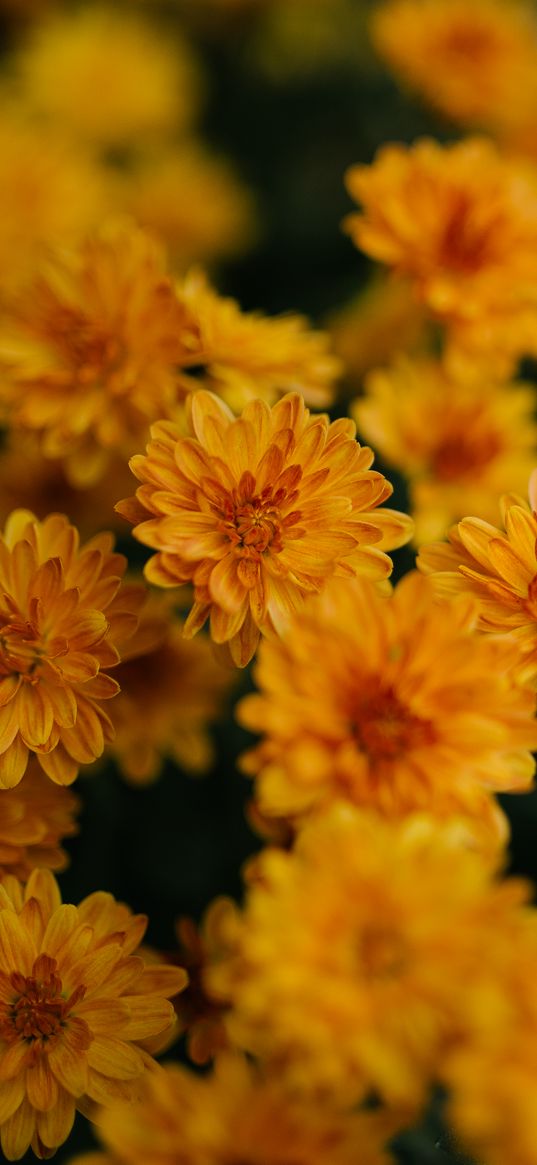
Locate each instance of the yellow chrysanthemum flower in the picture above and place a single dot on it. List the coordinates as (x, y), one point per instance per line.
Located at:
(34, 818)
(392, 702)
(192, 200)
(475, 62)
(62, 616)
(73, 1005)
(246, 355)
(108, 76)
(498, 567)
(51, 193)
(338, 980)
(88, 352)
(171, 690)
(377, 325)
(258, 512)
(235, 1114)
(460, 446)
(460, 221)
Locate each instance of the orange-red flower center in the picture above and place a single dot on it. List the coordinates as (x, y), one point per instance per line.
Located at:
(385, 729)
(253, 522)
(381, 951)
(466, 245)
(464, 453)
(38, 1010)
(21, 649)
(93, 352)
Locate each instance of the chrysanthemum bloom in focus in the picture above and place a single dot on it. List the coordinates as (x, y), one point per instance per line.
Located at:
(375, 326)
(62, 615)
(392, 702)
(34, 819)
(171, 690)
(498, 567)
(193, 200)
(73, 1005)
(234, 1114)
(460, 221)
(460, 446)
(107, 76)
(88, 352)
(246, 355)
(475, 63)
(258, 512)
(339, 979)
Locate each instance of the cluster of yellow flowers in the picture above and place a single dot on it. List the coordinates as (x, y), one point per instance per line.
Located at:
(381, 952)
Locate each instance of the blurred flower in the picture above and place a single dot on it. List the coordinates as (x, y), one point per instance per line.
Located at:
(491, 1074)
(88, 351)
(234, 1114)
(475, 63)
(499, 568)
(460, 221)
(171, 689)
(107, 76)
(379, 323)
(393, 703)
(247, 356)
(51, 193)
(62, 615)
(200, 1017)
(339, 980)
(34, 818)
(192, 200)
(33, 482)
(460, 446)
(258, 512)
(73, 1004)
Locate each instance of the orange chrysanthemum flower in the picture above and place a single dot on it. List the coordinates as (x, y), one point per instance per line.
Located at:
(246, 355)
(73, 1005)
(258, 512)
(34, 818)
(460, 446)
(171, 690)
(62, 616)
(339, 977)
(499, 568)
(89, 352)
(392, 702)
(234, 1114)
(461, 222)
(475, 62)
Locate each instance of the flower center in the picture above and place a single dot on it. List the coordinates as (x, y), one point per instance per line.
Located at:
(385, 729)
(38, 1011)
(253, 521)
(20, 649)
(93, 353)
(381, 952)
(463, 453)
